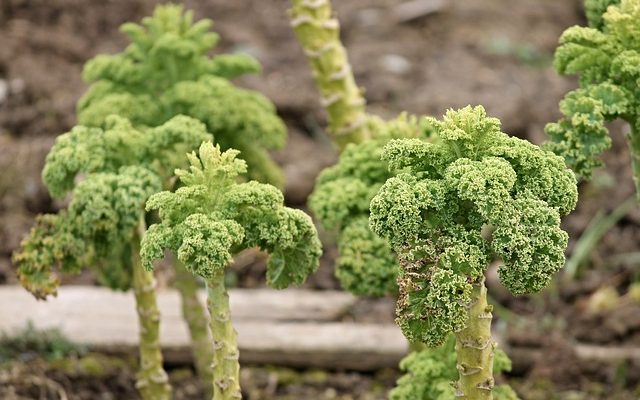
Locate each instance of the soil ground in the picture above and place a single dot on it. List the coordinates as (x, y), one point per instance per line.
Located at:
(492, 52)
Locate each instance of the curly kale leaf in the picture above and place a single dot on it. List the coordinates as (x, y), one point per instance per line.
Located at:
(435, 211)
(239, 119)
(211, 217)
(166, 71)
(344, 191)
(433, 298)
(50, 243)
(95, 230)
(108, 206)
(120, 168)
(606, 57)
(532, 248)
(79, 150)
(106, 209)
(166, 48)
(366, 264)
(90, 150)
(594, 10)
(429, 374)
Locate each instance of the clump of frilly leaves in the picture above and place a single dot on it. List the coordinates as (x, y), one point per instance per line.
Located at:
(212, 217)
(121, 168)
(594, 10)
(166, 71)
(606, 56)
(472, 194)
(429, 373)
(366, 265)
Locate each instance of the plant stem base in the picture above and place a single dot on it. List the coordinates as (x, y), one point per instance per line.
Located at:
(475, 350)
(226, 366)
(194, 313)
(152, 380)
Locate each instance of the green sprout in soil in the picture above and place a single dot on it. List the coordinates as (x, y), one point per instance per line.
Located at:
(471, 196)
(27, 343)
(212, 217)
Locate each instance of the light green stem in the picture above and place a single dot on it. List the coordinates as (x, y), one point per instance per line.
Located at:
(194, 313)
(226, 367)
(475, 350)
(319, 34)
(634, 146)
(152, 380)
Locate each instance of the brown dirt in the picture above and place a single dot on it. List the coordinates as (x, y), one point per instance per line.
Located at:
(97, 376)
(491, 52)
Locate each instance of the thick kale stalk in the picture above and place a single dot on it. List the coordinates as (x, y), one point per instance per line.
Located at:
(226, 369)
(428, 374)
(210, 218)
(195, 316)
(319, 33)
(455, 204)
(475, 348)
(152, 380)
(606, 56)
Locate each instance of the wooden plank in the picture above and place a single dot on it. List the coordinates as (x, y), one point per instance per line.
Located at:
(98, 303)
(606, 353)
(330, 345)
(291, 327)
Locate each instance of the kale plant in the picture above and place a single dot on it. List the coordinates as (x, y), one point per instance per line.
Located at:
(212, 217)
(163, 76)
(606, 56)
(166, 71)
(471, 195)
(366, 265)
(102, 227)
(428, 374)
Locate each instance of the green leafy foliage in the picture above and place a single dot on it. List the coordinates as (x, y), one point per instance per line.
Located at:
(606, 56)
(121, 167)
(86, 150)
(447, 196)
(166, 71)
(594, 10)
(366, 264)
(211, 217)
(30, 342)
(50, 243)
(429, 374)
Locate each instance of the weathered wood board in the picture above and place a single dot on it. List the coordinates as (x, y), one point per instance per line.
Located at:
(290, 327)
